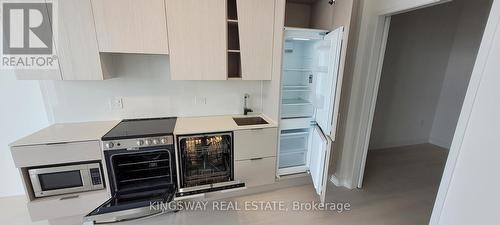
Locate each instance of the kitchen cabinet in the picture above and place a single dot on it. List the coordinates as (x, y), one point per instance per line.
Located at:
(43, 154)
(224, 39)
(256, 28)
(255, 143)
(255, 156)
(197, 39)
(131, 26)
(75, 44)
(255, 172)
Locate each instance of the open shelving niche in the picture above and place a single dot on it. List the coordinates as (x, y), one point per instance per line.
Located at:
(233, 42)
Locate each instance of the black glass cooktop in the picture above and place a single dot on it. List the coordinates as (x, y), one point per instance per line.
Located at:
(138, 128)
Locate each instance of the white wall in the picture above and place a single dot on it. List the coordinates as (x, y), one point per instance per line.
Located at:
(415, 63)
(469, 190)
(464, 50)
(22, 113)
(143, 82)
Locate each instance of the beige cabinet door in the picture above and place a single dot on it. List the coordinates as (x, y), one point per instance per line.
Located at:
(131, 26)
(197, 39)
(255, 143)
(39, 73)
(256, 172)
(75, 40)
(256, 28)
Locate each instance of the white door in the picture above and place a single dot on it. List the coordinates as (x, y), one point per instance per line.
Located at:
(327, 81)
(318, 161)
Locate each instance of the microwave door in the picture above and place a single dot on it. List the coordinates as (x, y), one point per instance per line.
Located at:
(327, 81)
(126, 208)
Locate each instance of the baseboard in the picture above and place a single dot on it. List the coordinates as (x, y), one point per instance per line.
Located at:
(335, 181)
(338, 183)
(439, 142)
(399, 144)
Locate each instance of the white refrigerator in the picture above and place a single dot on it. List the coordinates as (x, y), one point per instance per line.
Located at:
(310, 96)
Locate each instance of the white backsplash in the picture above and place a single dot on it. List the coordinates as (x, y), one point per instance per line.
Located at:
(143, 84)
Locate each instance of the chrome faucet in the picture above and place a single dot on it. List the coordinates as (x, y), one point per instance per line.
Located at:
(246, 110)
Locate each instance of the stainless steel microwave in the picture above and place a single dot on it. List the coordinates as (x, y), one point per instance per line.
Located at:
(57, 180)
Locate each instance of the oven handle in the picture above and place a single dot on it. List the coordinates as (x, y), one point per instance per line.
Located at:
(124, 220)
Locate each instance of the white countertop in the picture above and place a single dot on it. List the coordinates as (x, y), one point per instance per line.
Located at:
(208, 124)
(93, 131)
(67, 132)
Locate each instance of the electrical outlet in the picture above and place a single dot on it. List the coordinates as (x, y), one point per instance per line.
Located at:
(116, 103)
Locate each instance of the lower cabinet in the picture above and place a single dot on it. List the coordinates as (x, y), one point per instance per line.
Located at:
(255, 156)
(70, 205)
(256, 172)
(255, 143)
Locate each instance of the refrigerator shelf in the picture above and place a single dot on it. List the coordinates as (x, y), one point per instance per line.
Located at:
(292, 160)
(298, 101)
(296, 88)
(298, 69)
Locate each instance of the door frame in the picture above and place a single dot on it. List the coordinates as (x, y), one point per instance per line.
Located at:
(371, 89)
(373, 74)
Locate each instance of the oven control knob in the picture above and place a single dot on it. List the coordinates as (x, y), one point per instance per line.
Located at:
(148, 142)
(140, 142)
(156, 141)
(110, 145)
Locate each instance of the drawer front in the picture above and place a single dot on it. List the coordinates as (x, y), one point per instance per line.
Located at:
(39, 155)
(256, 172)
(256, 143)
(66, 205)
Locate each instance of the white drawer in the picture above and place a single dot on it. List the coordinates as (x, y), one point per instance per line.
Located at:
(255, 143)
(66, 205)
(39, 155)
(295, 123)
(256, 172)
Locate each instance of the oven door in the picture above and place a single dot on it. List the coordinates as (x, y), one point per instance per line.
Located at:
(141, 182)
(123, 208)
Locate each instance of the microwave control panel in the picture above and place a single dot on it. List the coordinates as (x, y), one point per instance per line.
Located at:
(95, 176)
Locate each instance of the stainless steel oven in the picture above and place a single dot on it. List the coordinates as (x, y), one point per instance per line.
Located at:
(206, 163)
(141, 173)
(64, 179)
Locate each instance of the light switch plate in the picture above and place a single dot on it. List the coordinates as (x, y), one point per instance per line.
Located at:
(116, 103)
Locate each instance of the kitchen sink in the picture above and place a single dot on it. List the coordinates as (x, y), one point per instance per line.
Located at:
(247, 121)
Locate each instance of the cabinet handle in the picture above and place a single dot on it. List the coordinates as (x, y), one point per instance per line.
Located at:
(69, 197)
(254, 159)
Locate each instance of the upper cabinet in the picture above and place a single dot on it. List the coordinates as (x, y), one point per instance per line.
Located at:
(206, 40)
(220, 39)
(75, 44)
(256, 27)
(197, 39)
(131, 26)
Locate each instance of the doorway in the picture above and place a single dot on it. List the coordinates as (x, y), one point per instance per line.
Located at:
(424, 75)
